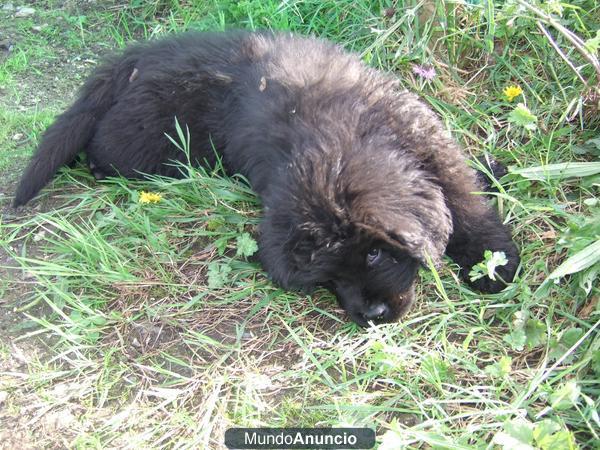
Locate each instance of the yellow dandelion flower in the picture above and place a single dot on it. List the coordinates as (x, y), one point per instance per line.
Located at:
(511, 92)
(149, 197)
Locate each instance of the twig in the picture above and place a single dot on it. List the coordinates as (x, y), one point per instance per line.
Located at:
(560, 52)
(572, 37)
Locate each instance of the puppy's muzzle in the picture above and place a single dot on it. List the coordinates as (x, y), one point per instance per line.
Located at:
(376, 312)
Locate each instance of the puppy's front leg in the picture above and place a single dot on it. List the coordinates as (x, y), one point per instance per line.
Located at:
(478, 228)
(476, 225)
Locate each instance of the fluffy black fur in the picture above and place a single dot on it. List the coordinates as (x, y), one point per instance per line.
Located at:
(360, 182)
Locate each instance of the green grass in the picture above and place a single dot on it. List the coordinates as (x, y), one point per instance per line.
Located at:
(18, 132)
(162, 330)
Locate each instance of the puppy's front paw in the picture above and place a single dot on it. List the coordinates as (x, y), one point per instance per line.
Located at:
(494, 167)
(503, 274)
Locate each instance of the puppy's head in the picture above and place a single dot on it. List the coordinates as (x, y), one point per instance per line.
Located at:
(360, 228)
(375, 283)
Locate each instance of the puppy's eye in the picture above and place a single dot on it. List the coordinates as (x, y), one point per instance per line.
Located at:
(373, 256)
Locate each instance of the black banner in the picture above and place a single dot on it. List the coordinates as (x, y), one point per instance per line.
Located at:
(300, 438)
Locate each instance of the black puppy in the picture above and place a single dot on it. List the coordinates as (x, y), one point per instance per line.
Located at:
(360, 182)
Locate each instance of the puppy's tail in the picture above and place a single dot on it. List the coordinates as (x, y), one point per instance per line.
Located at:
(72, 130)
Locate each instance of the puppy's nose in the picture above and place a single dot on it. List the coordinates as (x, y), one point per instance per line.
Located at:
(376, 311)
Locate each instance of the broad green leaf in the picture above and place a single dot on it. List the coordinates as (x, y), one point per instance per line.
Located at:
(565, 396)
(535, 333)
(563, 440)
(523, 117)
(516, 339)
(592, 45)
(221, 245)
(218, 275)
(549, 436)
(246, 245)
(561, 344)
(560, 170)
(590, 147)
(517, 434)
(544, 429)
(526, 331)
(435, 369)
(581, 260)
(215, 223)
(501, 368)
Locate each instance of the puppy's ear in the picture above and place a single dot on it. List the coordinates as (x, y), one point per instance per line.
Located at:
(305, 242)
(421, 240)
(420, 225)
(301, 245)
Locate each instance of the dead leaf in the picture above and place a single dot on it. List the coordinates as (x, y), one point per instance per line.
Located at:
(586, 311)
(134, 74)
